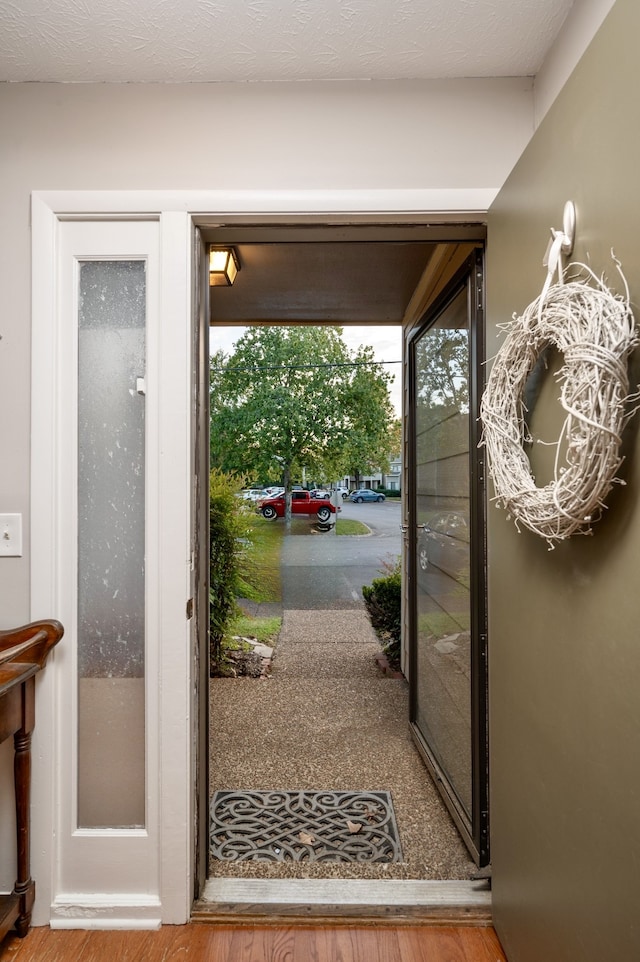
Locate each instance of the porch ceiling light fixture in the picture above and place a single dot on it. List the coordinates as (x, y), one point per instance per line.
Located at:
(223, 266)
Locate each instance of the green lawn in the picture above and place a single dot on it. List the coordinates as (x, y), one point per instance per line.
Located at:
(351, 526)
(266, 630)
(261, 568)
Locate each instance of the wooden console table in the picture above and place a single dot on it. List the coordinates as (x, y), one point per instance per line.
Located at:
(23, 653)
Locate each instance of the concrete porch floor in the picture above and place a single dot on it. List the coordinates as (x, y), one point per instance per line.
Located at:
(328, 719)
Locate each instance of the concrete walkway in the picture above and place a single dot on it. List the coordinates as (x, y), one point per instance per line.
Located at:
(329, 719)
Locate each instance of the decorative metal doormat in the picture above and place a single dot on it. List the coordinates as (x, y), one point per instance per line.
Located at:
(279, 826)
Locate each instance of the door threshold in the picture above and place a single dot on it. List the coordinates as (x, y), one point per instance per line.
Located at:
(341, 901)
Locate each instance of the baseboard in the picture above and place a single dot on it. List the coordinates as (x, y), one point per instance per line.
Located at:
(103, 911)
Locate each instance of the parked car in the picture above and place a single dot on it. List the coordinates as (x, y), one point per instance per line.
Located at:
(301, 503)
(267, 493)
(366, 494)
(252, 494)
(320, 493)
(343, 492)
(444, 543)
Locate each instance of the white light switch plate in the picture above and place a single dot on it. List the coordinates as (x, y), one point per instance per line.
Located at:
(10, 535)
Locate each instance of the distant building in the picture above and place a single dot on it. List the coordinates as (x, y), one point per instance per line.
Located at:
(389, 480)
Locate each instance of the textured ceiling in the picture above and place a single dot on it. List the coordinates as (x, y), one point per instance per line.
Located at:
(273, 40)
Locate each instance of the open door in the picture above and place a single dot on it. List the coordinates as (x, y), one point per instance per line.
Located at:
(446, 551)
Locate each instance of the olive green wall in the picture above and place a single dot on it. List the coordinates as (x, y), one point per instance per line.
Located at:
(565, 624)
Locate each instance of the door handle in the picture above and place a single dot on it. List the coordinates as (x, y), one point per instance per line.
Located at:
(404, 528)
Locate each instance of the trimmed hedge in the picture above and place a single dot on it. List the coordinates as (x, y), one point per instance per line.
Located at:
(228, 525)
(383, 599)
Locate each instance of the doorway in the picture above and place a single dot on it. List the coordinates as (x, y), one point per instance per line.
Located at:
(175, 756)
(439, 261)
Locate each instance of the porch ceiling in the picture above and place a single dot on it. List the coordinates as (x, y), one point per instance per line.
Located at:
(342, 283)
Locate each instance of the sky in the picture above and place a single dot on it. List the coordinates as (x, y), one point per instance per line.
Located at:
(385, 341)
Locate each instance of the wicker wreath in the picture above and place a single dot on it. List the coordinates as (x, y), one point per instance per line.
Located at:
(595, 331)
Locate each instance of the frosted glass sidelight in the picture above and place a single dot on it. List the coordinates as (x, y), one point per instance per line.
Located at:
(111, 544)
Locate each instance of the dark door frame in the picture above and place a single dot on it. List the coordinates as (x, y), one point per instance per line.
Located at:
(363, 226)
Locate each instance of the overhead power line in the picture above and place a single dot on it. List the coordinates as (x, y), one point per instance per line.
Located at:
(299, 367)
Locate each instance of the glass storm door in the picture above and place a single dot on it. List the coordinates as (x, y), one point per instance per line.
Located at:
(446, 548)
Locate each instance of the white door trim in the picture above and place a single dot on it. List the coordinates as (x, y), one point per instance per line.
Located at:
(448, 205)
(176, 212)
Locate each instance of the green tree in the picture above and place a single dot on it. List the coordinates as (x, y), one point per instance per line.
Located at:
(294, 398)
(370, 440)
(395, 439)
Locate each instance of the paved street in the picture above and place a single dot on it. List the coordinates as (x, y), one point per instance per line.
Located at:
(321, 570)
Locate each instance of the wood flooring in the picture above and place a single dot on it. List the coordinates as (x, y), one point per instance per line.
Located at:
(212, 943)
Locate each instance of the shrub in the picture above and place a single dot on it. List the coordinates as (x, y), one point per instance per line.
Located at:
(383, 599)
(228, 528)
(390, 492)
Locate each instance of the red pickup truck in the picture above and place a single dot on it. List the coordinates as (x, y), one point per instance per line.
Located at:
(301, 503)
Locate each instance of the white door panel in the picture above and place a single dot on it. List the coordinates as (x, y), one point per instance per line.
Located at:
(111, 510)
